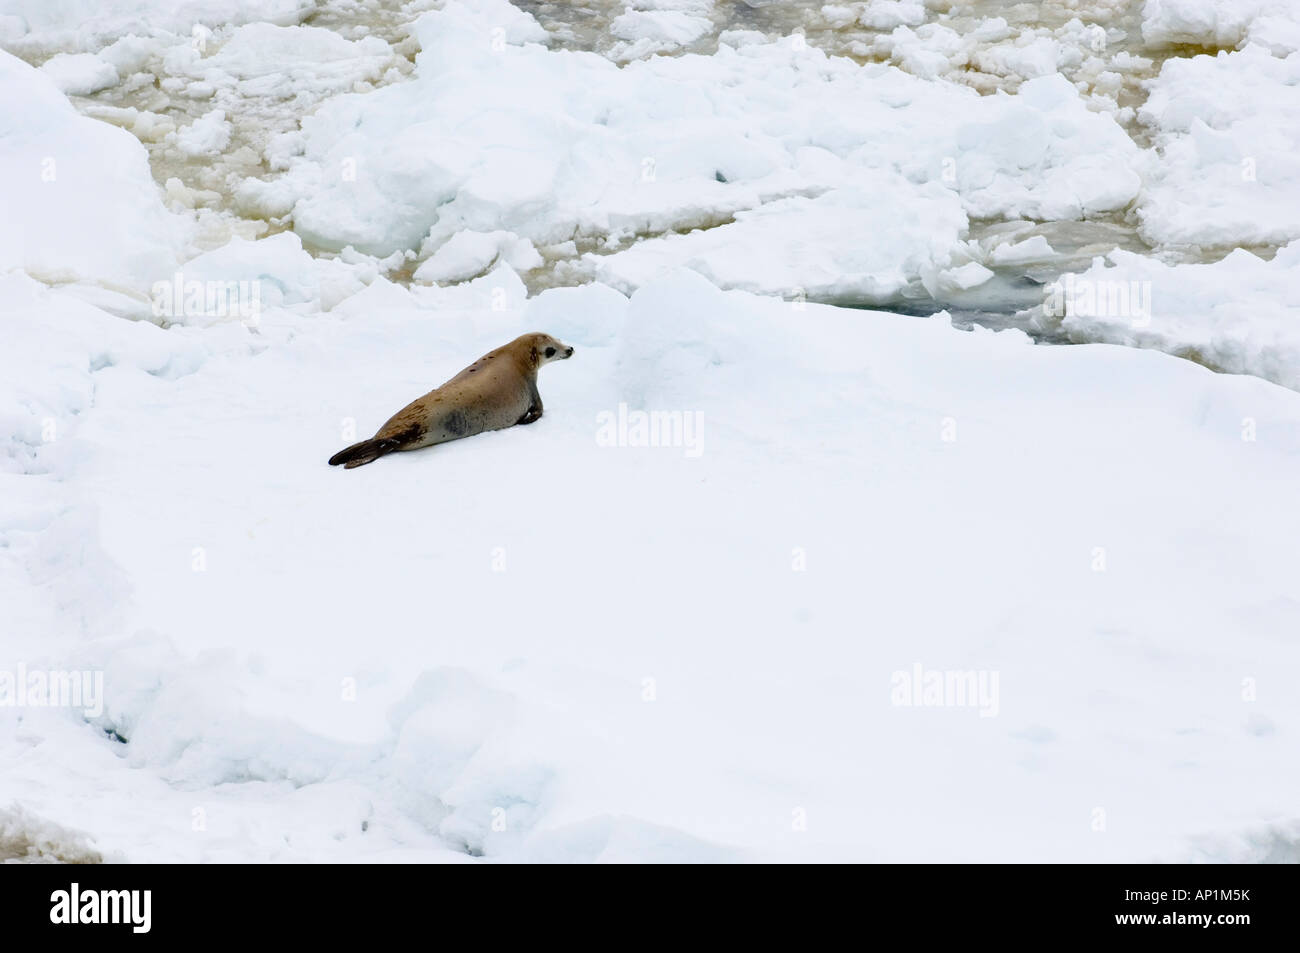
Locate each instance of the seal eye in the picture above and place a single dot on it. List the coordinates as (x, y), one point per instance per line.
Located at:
(550, 352)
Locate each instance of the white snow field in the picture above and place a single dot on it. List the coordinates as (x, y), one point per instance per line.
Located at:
(592, 639)
(501, 602)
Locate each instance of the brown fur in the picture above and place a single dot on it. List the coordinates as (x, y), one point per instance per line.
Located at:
(497, 391)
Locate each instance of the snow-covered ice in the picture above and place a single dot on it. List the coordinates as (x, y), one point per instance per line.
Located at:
(79, 202)
(689, 652)
(1228, 131)
(1213, 23)
(85, 25)
(1240, 314)
(695, 612)
(207, 135)
(670, 144)
(79, 74)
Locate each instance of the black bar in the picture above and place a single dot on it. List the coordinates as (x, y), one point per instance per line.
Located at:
(929, 903)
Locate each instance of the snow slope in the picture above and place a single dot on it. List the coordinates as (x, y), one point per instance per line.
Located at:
(503, 608)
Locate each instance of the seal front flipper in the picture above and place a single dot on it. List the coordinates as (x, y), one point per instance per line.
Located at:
(534, 413)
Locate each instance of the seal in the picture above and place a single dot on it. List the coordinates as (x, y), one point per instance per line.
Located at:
(497, 391)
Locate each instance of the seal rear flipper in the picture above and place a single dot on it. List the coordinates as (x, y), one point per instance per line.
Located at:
(364, 452)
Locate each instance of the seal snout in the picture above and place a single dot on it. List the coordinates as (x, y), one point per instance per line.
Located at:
(568, 352)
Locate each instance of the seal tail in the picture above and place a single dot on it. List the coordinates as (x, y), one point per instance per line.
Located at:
(367, 451)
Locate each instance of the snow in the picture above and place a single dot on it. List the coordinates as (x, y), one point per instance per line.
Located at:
(1280, 35)
(207, 135)
(887, 14)
(88, 25)
(645, 150)
(1210, 23)
(28, 839)
(262, 59)
(669, 621)
(1228, 130)
(1031, 249)
(651, 27)
(814, 247)
(468, 254)
(524, 732)
(989, 54)
(1238, 315)
(967, 276)
(79, 74)
(61, 168)
(672, 25)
